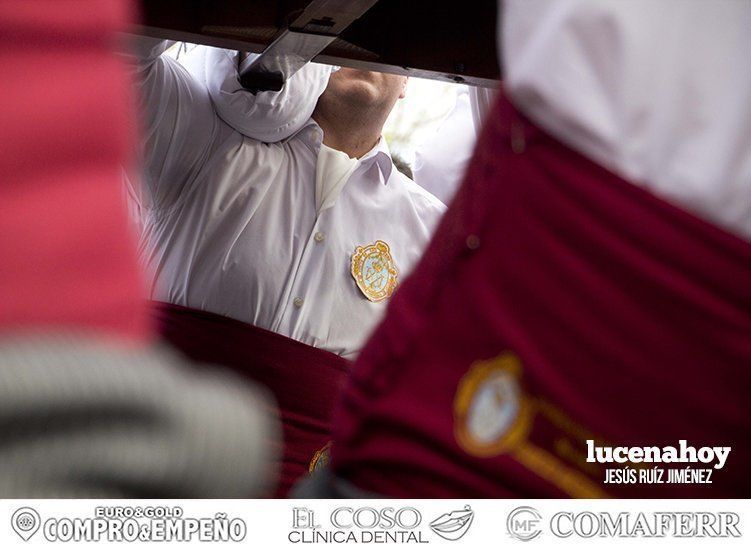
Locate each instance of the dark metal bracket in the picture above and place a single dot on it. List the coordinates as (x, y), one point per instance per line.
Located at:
(313, 31)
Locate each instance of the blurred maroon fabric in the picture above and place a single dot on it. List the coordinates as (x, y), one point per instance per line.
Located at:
(305, 381)
(628, 319)
(67, 258)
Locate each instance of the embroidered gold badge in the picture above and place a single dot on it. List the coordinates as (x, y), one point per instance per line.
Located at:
(491, 413)
(321, 459)
(374, 271)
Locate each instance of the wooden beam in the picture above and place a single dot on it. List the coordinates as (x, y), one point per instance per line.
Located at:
(452, 41)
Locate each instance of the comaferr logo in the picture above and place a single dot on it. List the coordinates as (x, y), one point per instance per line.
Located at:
(640, 524)
(524, 523)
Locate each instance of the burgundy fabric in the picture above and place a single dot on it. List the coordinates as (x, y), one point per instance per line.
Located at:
(305, 380)
(631, 320)
(67, 259)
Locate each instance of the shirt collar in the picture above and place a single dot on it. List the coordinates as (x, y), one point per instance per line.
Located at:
(312, 134)
(381, 154)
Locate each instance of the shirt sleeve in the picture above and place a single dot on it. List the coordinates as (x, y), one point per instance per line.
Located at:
(178, 124)
(266, 116)
(441, 160)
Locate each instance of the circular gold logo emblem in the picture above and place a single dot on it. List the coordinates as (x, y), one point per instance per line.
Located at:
(491, 414)
(374, 271)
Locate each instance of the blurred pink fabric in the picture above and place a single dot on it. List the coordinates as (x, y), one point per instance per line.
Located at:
(67, 259)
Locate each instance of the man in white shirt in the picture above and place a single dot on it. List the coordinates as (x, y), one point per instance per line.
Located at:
(267, 234)
(274, 258)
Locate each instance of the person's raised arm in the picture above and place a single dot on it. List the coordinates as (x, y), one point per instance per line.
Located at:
(266, 116)
(178, 123)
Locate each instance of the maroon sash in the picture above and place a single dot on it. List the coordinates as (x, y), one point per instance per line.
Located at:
(305, 380)
(557, 303)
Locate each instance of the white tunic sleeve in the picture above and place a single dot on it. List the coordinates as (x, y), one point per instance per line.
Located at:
(178, 125)
(189, 108)
(267, 116)
(440, 163)
(658, 92)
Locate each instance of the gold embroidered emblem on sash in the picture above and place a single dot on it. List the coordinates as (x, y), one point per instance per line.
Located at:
(374, 271)
(491, 412)
(321, 459)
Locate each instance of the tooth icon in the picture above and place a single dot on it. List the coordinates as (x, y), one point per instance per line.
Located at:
(454, 525)
(25, 522)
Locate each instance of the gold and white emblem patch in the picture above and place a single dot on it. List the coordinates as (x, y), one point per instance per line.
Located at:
(374, 271)
(491, 413)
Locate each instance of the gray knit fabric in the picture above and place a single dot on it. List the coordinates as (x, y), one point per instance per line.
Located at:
(84, 418)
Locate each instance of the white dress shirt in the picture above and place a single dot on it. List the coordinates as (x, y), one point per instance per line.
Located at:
(658, 91)
(333, 170)
(244, 229)
(441, 161)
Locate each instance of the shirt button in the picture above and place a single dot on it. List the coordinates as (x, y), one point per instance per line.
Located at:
(298, 302)
(319, 237)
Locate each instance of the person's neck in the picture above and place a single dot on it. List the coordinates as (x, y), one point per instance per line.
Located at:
(355, 134)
